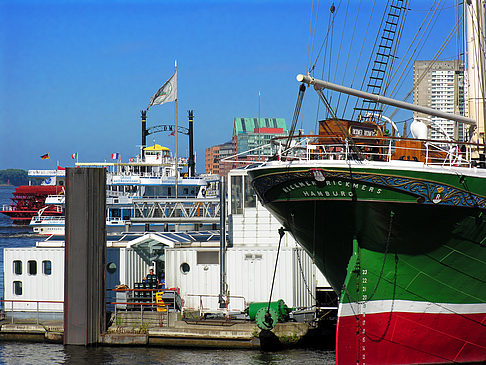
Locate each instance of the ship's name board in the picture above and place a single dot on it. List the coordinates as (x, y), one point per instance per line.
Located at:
(360, 131)
(331, 188)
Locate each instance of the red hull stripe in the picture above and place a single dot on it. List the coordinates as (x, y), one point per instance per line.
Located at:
(408, 306)
(411, 338)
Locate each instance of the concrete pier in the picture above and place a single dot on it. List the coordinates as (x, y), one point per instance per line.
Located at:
(237, 334)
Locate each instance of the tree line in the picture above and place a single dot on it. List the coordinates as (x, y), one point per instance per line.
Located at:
(14, 177)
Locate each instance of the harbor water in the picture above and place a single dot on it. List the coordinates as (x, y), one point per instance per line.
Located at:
(37, 353)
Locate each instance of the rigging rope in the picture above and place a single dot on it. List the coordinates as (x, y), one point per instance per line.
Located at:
(330, 25)
(349, 52)
(341, 43)
(424, 34)
(298, 105)
(389, 75)
(324, 42)
(360, 53)
(268, 317)
(434, 59)
(371, 57)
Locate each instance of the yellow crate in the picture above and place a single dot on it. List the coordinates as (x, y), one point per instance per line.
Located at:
(161, 306)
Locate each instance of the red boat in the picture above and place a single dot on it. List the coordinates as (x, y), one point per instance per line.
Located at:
(28, 199)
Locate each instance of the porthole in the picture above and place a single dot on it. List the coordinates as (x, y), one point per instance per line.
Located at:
(111, 267)
(185, 268)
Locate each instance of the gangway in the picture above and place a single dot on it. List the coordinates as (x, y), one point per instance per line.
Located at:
(180, 210)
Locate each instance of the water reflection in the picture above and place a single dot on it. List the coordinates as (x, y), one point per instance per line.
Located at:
(22, 353)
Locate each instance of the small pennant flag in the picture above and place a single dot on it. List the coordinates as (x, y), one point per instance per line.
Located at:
(115, 156)
(167, 93)
(45, 157)
(74, 156)
(172, 133)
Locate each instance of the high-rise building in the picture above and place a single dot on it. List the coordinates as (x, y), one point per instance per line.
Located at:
(214, 157)
(441, 85)
(251, 142)
(248, 134)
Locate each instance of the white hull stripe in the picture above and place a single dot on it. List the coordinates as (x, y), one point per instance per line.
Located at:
(408, 306)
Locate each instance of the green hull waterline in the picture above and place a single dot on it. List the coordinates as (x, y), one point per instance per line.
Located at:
(423, 234)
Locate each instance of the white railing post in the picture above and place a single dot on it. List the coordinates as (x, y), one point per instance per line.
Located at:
(426, 153)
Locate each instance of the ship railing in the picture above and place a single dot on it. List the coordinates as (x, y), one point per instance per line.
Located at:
(46, 173)
(47, 219)
(30, 311)
(7, 208)
(387, 149)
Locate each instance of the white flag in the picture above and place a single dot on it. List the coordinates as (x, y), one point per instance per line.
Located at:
(167, 93)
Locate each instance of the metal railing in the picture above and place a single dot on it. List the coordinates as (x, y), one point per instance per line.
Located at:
(136, 307)
(7, 207)
(18, 310)
(202, 297)
(197, 209)
(386, 149)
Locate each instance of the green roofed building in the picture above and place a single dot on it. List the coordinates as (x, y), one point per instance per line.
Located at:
(248, 134)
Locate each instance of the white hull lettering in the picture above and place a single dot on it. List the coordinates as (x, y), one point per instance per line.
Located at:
(324, 192)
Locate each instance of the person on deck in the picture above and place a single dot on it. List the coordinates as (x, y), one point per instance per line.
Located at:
(151, 277)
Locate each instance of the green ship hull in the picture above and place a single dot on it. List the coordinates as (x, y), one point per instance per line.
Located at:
(404, 248)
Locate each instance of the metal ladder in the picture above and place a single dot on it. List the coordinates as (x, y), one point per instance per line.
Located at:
(383, 55)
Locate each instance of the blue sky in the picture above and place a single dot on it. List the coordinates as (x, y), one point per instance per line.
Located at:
(74, 75)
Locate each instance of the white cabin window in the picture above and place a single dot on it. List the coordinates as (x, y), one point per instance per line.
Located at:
(250, 195)
(207, 257)
(32, 267)
(236, 195)
(47, 267)
(17, 267)
(17, 287)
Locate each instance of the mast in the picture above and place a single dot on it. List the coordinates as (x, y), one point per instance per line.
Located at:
(144, 129)
(476, 66)
(191, 163)
(176, 140)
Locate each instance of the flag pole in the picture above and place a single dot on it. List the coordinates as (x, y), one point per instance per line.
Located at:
(176, 139)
